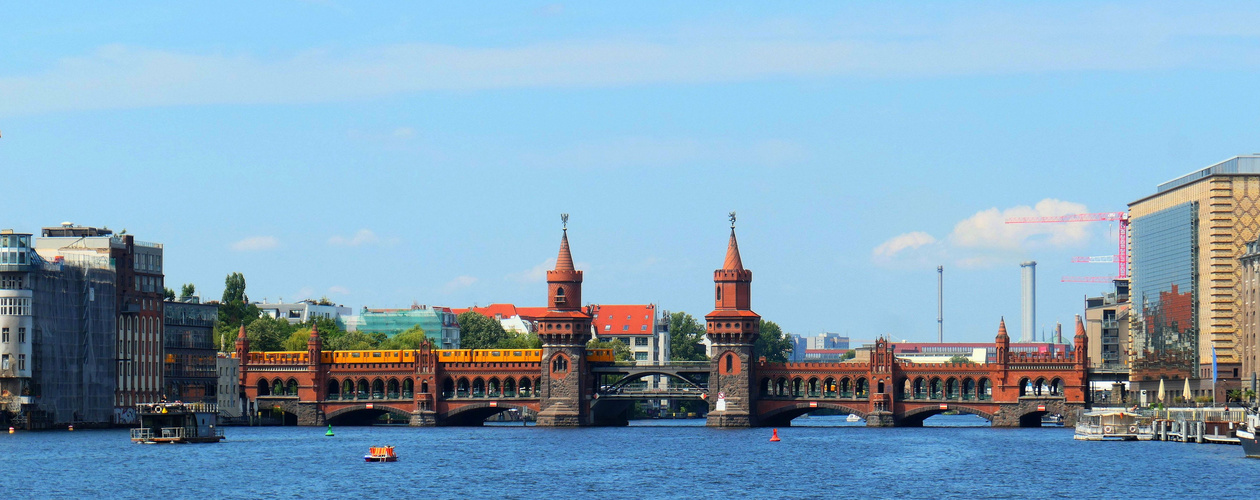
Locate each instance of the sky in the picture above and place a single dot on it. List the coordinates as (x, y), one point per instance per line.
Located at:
(388, 154)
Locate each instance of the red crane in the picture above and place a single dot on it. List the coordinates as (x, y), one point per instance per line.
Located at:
(1121, 258)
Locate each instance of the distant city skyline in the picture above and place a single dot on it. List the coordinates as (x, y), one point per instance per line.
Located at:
(389, 154)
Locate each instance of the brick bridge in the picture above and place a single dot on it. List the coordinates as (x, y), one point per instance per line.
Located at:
(564, 385)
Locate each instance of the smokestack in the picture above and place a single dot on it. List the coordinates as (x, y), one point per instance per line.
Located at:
(1029, 274)
(940, 302)
(1058, 333)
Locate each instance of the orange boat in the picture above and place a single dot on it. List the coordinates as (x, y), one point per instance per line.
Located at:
(380, 454)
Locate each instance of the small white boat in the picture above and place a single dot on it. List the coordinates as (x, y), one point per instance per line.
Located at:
(1114, 425)
(853, 418)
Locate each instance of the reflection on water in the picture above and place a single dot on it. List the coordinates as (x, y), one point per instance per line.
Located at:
(818, 456)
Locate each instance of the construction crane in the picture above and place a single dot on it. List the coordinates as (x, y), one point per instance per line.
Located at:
(1121, 258)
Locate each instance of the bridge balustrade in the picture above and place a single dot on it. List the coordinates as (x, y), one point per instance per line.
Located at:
(408, 395)
(392, 395)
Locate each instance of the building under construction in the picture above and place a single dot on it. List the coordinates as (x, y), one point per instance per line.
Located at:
(57, 337)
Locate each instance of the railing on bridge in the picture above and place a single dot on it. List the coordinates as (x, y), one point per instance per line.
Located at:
(666, 364)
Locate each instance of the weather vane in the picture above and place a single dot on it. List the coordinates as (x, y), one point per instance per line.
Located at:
(732, 220)
(564, 221)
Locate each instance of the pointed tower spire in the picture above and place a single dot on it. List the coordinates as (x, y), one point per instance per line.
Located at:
(733, 262)
(1080, 327)
(1002, 329)
(241, 334)
(564, 261)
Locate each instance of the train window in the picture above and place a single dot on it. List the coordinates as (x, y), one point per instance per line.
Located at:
(376, 355)
(354, 354)
(516, 353)
(495, 353)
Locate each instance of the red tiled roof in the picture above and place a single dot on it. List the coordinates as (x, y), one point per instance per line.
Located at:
(624, 319)
(530, 313)
(564, 260)
(826, 351)
(490, 311)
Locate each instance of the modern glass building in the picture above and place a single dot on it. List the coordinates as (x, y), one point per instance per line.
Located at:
(1164, 291)
(1187, 302)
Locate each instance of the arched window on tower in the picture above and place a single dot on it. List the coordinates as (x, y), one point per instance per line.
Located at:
(560, 365)
(730, 363)
(718, 292)
(559, 294)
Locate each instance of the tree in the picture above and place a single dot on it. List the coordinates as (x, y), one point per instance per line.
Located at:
(686, 337)
(773, 343)
(323, 301)
(235, 310)
(621, 352)
(849, 354)
(355, 341)
(478, 331)
(959, 358)
(410, 338)
(168, 294)
(270, 334)
(297, 340)
(520, 340)
(187, 291)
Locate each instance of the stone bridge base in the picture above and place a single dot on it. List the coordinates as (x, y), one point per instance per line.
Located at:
(1024, 413)
(880, 419)
(423, 419)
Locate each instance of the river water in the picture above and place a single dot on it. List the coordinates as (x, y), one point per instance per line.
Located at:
(822, 457)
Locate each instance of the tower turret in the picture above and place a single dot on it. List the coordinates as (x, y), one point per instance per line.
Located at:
(564, 330)
(242, 355)
(732, 328)
(1081, 343)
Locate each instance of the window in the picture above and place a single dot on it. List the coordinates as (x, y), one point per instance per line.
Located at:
(625, 328)
(4, 335)
(21, 334)
(4, 362)
(640, 356)
(625, 340)
(642, 328)
(642, 341)
(606, 328)
(21, 361)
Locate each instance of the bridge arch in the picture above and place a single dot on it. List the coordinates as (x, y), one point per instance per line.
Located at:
(475, 414)
(621, 382)
(360, 414)
(782, 416)
(915, 417)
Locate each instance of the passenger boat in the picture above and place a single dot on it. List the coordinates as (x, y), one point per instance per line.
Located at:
(1247, 433)
(380, 454)
(1049, 420)
(853, 418)
(177, 423)
(1114, 425)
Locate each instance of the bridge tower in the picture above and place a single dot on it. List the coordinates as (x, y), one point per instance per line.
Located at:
(1003, 388)
(314, 370)
(564, 329)
(242, 358)
(732, 327)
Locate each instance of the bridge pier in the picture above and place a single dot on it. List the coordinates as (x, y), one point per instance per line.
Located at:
(421, 418)
(880, 419)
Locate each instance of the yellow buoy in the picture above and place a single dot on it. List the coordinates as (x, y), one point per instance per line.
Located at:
(10, 430)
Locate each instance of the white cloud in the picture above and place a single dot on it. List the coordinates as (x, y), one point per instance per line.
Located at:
(459, 283)
(338, 290)
(988, 229)
(535, 274)
(403, 132)
(362, 237)
(256, 243)
(928, 43)
(986, 240)
(896, 244)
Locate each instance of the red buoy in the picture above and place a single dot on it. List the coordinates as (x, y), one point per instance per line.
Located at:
(774, 438)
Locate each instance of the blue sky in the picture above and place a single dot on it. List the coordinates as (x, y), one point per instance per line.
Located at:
(388, 154)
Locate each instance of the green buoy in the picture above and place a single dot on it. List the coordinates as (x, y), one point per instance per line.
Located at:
(330, 432)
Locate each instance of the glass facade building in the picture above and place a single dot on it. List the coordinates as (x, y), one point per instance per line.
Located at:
(1164, 293)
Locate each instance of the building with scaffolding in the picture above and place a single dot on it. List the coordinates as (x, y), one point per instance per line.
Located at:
(57, 340)
(138, 287)
(439, 323)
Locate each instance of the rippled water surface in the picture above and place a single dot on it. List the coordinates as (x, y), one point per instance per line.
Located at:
(650, 459)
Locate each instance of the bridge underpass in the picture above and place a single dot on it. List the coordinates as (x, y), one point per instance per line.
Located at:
(622, 386)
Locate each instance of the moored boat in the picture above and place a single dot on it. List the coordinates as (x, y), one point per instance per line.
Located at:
(1247, 433)
(1113, 425)
(853, 418)
(177, 423)
(380, 454)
